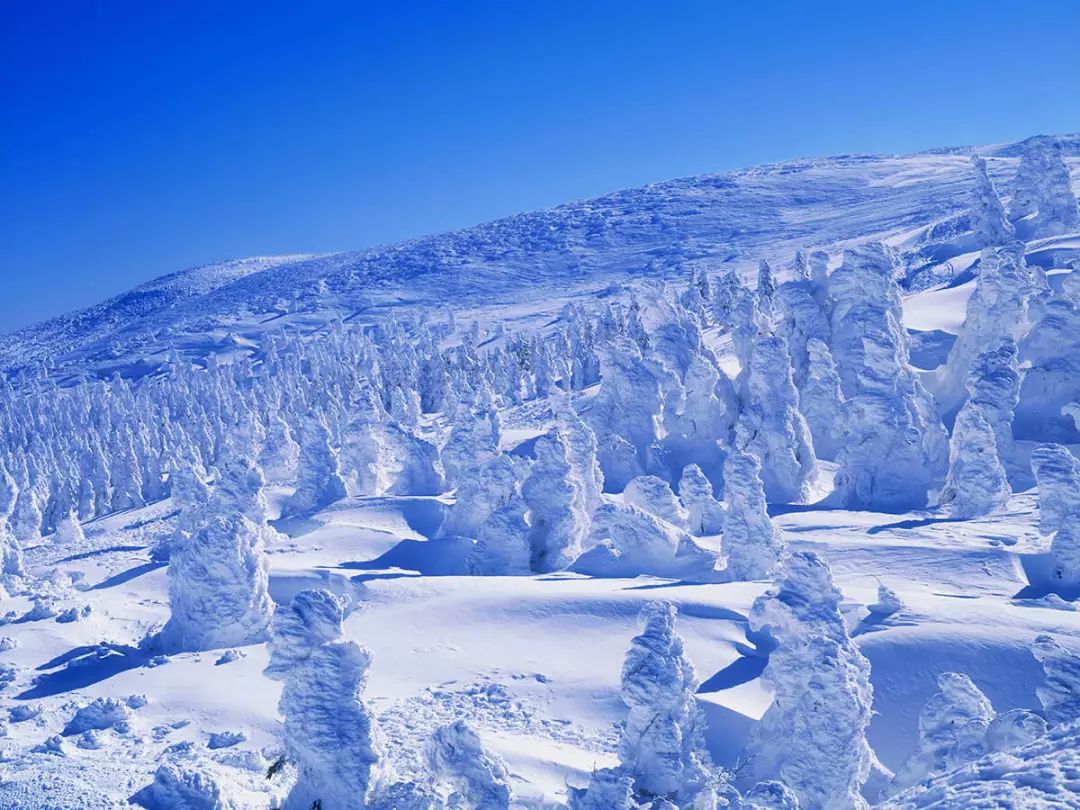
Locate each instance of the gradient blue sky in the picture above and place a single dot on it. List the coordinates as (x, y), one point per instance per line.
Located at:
(139, 138)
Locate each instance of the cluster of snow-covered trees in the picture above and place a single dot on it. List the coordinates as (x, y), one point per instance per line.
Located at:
(647, 446)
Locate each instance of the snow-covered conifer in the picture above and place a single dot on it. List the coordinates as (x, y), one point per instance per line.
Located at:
(1057, 473)
(813, 736)
(976, 484)
(1043, 203)
(820, 400)
(952, 730)
(705, 514)
(766, 287)
(280, 452)
(331, 734)
(473, 776)
(558, 520)
(608, 789)
(69, 532)
(770, 425)
(662, 743)
(1059, 693)
(318, 475)
(992, 227)
(11, 557)
(218, 575)
(1065, 553)
(895, 449)
(581, 449)
(655, 496)
(752, 545)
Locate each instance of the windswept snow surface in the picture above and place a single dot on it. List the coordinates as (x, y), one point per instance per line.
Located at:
(92, 717)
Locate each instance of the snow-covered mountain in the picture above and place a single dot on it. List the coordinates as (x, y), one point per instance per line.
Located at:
(662, 231)
(756, 490)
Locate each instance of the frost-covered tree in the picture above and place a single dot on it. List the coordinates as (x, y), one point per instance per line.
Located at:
(752, 545)
(766, 288)
(1057, 473)
(992, 227)
(976, 484)
(608, 789)
(625, 541)
(1013, 729)
(472, 776)
(625, 414)
(218, 576)
(999, 308)
(770, 795)
(952, 730)
(69, 531)
(1065, 553)
(581, 450)
(705, 514)
(993, 385)
(662, 743)
(655, 496)
(280, 452)
(330, 732)
(820, 401)
(502, 541)
(318, 475)
(1059, 693)
(558, 520)
(813, 735)
(770, 425)
(801, 320)
(11, 556)
(1043, 203)
(895, 449)
(1050, 356)
(363, 451)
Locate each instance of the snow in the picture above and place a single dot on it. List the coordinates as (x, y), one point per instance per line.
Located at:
(485, 687)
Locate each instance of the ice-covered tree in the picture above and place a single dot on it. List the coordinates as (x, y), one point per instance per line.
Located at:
(559, 521)
(662, 743)
(1059, 693)
(997, 309)
(1065, 553)
(11, 556)
(1043, 203)
(993, 384)
(608, 789)
(705, 514)
(1057, 473)
(502, 541)
(801, 320)
(470, 775)
(976, 484)
(581, 450)
(752, 545)
(218, 576)
(625, 541)
(895, 449)
(813, 735)
(655, 496)
(69, 531)
(318, 474)
(952, 730)
(821, 402)
(770, 425)
(330, 732)
(992, 227)
(1050, 356)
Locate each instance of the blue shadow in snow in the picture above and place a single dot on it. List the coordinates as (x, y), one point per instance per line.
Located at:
(84, 666)
(911, 524)
(129, 574)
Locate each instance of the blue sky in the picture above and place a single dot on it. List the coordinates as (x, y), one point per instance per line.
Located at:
(139, 138)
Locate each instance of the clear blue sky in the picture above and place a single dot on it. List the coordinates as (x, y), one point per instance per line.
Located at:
(138, 138)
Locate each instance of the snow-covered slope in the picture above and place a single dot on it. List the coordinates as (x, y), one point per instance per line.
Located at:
(657, 231)
(293, 561)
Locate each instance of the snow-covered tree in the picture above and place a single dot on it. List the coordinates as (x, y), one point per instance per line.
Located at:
(820, 401)
(11, 557)
(330, 732)
(993, 385)
(318, 475)
(581, 450)
(813, 736)
(752, 545)
(770, 425)
(559, 522)
(895, 449)
(662, 743)
(625, 541)
(952, 730)
(1057, 473)
(472, 776)
(655, 496)
(992, 227)
(1065, 553)
(705, 514)
(218, 576)
(69, 531)
(998, 309)
(976, 484)
(1043, 203)
(1059, 693)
